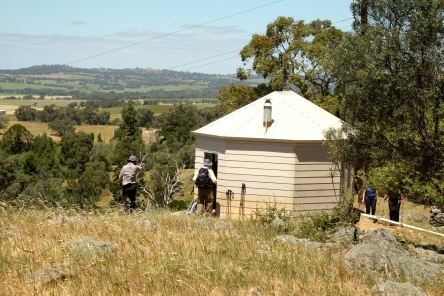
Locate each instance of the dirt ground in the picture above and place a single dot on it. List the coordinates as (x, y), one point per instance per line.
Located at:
(367, 225)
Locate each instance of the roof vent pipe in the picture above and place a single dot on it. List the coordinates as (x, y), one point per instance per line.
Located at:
(267, 114)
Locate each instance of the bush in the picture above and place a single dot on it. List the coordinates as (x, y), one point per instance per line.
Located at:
(317, 225)
(178, 205)
(271, 212)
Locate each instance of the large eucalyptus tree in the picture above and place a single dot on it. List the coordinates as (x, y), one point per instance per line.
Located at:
(291, 54)
(391, 78)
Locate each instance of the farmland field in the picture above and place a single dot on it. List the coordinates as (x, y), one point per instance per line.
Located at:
(38, 128)
(38, 103)
(8, 85)
(11, 105)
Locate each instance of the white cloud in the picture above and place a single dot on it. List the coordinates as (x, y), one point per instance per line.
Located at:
(20, 50)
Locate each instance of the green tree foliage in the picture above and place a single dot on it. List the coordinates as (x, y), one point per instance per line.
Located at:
(85, 191)
(49, 113)
(45, 191)
(25, 113)
(235, 96)
(186, 156)
(7, 175)
(292, 54)
(75, 150)
(32, 173)
(16, 139)
(89, 115)
(128, 137)
(100, 152)
(48, 157)
(71, 113)
(14, 178)
(391, 78)
(144, 117)
(62, 126)
(4, 122)
(176, 126)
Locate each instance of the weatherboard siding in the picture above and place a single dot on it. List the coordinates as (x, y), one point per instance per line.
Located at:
(317, 184)
(294, 176)
(267, 170)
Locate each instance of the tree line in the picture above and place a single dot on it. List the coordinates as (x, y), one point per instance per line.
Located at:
(112, 83)
(73, 172)
(112, 95)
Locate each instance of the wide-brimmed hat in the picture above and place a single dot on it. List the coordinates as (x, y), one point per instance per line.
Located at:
(207, 162)
(132, 158)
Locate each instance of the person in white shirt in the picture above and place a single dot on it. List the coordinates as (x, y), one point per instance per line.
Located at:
(128, 176)
(204, 193)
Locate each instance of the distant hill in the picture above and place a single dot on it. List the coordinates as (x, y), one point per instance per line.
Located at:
(61, 80)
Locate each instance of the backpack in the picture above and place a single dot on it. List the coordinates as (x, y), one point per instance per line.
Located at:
(203, 179)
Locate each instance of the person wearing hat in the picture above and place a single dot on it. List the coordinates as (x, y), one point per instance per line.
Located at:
(204, 195)
(128, 176)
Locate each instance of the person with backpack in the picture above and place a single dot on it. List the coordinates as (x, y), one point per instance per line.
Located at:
(128, 176)
(394, 202)
(204, 179)
(370, 197)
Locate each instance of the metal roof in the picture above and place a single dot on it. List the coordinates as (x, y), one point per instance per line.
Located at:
(294, 119)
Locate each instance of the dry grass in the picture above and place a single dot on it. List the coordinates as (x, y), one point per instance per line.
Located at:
(106, 131)
(176, 258)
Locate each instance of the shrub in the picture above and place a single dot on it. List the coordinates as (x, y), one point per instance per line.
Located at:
(316, 226)
(271, 212)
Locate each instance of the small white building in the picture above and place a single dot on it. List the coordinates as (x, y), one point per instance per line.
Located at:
(272, 153)
(2, 112)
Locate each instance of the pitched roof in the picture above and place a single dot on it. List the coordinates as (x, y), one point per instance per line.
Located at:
(294, 119)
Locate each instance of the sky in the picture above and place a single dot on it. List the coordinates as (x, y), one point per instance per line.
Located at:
(192, 35)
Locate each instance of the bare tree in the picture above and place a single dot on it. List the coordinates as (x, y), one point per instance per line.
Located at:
(165, 182)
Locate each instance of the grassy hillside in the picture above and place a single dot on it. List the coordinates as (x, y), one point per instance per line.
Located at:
(161, 253)
(78, 83)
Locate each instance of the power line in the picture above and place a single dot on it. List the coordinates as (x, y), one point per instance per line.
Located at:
(343, 20)
(211, 63)
(346, 27)
(205, 59)
(175, 32)
(200, 60)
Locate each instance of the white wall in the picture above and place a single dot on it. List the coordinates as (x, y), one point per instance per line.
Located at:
(293, 176)
(317, 184)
